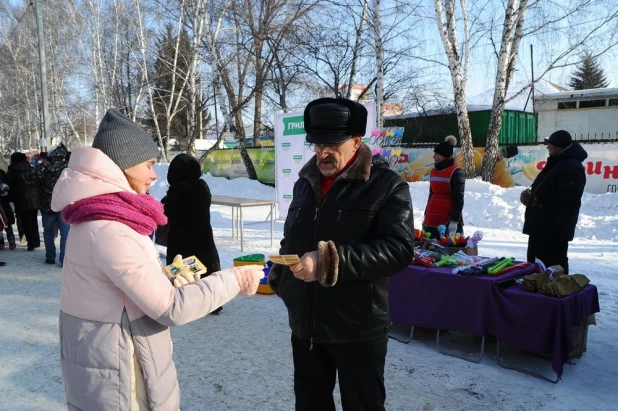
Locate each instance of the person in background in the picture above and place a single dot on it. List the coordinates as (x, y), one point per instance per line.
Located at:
(9, 215)
(24, 193)
(48, 173)
(553, 201)
(189, 229)
(351, 223)
(116, 303)
(447, 185)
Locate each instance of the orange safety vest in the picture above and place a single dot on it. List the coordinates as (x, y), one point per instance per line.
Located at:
(439, 207)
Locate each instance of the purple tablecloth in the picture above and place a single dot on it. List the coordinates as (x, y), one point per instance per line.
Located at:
(541, 324)
(437, 298)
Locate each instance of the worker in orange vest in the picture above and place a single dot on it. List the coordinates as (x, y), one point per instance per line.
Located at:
(447, 185)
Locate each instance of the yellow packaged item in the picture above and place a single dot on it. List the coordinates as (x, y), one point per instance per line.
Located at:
(192, 264)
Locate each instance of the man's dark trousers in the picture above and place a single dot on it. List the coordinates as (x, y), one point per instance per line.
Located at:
(359, 367)
(552, 251)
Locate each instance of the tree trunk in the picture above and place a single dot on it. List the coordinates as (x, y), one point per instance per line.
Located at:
(448, 30)
(259, 90)
(379, 65)
(146, 80)
(357, 47)
(242, 147)
(509, 47)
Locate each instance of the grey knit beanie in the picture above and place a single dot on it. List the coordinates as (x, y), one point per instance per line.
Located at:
(124, 141)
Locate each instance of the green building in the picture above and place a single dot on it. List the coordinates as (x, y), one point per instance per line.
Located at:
(518, 127)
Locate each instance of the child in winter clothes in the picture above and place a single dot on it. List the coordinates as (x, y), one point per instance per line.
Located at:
(116, 302)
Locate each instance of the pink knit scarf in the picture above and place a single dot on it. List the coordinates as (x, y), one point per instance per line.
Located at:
(138, 211)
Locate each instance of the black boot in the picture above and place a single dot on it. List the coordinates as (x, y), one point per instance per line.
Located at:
(12, 244)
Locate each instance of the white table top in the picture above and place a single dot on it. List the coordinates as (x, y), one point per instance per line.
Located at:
(240, 202)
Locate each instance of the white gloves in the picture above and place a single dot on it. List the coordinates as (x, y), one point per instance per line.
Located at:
(452, 228)
(186, 276)
(248, 278)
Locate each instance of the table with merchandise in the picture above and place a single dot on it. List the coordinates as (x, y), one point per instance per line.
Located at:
(498, 306)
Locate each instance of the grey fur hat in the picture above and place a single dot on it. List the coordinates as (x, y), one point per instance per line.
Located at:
(124, 141)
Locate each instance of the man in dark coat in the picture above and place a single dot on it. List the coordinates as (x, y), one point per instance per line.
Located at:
(24, 193)
(351, 222)
(553, 201)
(187, 207)
(47, 173)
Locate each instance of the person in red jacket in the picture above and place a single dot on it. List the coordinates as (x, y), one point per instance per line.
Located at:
(447, 185)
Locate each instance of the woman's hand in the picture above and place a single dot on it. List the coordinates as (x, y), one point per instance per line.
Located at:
(248, 278)
(186, 276)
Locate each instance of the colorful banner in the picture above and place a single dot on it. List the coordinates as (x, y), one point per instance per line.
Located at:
(228, 163)
(415, 164)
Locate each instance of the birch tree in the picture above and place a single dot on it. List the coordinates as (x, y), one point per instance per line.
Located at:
(356, 51)
(195, 22)
(142, 48)
(512, 32)
(598, 34)
(458, 63)
(379, 64)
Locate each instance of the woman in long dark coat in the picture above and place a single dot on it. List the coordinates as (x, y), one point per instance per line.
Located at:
(6, 207)
(24, 193)
(187, 207)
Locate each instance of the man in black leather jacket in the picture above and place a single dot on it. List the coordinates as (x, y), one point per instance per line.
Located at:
(351, 223)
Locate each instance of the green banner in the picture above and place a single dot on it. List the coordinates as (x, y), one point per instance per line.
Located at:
(228, 163)
(293, 126)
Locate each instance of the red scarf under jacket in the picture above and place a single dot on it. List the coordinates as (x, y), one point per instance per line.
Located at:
(327, 182)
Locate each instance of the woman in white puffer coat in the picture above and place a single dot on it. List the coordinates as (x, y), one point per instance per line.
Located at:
(116, 302)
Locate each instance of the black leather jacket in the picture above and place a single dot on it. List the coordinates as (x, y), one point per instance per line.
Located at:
(367, 213)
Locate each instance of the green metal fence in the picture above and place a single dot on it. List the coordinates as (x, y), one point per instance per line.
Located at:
(517, 127)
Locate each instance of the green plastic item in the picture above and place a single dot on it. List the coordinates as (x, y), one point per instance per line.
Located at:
(500, 266)
(448, 260)
(254, 258)
(249, 260)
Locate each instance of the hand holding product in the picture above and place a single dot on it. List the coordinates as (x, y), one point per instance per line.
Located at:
(184, 271)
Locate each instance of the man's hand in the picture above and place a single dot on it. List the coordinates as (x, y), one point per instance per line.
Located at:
(307, 269)
(186, 276)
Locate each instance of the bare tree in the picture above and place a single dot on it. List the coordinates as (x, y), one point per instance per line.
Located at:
(357, 46)
(377, 34)
(600, 34)
(513, 29)
(229, 93)
(458, 63)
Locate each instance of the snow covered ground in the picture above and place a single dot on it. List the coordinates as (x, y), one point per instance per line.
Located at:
(241, 359)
